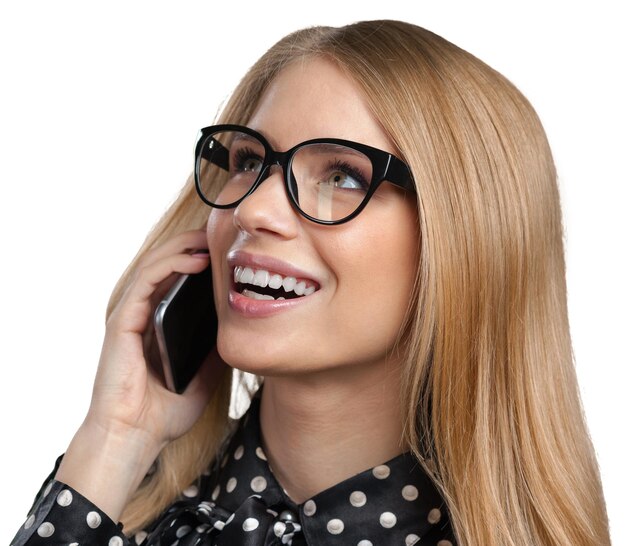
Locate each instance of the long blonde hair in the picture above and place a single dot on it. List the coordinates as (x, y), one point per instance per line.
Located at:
(491, 402)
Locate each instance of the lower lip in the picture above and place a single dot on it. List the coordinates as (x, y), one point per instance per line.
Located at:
(250, 307)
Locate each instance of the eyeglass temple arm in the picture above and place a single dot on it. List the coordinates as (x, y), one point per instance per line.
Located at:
(399, 173)
(216, 153)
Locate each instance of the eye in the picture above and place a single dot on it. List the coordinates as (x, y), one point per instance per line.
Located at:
(344, 181)
(344, 176)
(246, 160)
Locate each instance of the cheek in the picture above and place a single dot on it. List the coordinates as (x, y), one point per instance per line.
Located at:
(219, 239)
(375, 271)
(387, 272)
(217, 231)
(382, 258)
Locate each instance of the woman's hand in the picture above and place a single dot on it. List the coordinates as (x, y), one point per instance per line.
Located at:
(132, 415)
(127, 395)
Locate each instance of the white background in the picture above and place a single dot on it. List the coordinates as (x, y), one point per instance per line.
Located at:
(99, 108)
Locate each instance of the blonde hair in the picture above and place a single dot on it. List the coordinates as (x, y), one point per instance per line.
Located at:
(491, 402)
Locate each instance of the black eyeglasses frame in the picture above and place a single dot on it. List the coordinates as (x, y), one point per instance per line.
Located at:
(385, 167)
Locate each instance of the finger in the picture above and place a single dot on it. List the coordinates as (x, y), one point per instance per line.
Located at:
(150, 277)
(134, 307)
(183, 243)
(189, 242)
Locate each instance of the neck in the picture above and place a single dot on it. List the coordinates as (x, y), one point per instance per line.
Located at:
(320, 429)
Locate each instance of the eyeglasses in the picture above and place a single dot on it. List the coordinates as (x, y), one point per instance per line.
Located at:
(328, 180)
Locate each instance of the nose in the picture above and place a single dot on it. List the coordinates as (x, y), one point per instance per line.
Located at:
(268, 209)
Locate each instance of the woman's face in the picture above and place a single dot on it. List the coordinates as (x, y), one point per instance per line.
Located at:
(363, 270)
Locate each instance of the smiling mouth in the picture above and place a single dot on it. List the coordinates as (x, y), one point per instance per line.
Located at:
(261, 284)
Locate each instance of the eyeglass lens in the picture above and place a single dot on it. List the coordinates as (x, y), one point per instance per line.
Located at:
(331, 180)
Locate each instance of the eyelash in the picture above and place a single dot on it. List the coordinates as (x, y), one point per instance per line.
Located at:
(243, 154)
(348, 169)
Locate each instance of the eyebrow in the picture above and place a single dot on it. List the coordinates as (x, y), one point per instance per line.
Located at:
(326, 147)
(245, 137)
(332, 148)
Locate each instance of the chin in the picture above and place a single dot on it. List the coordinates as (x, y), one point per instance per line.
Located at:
(268, 358)
(248, 356)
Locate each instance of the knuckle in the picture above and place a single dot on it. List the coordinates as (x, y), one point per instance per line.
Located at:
(143, 273)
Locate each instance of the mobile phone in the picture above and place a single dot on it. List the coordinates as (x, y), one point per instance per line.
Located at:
(185, 324)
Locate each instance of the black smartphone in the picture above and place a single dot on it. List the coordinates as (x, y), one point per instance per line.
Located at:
(185, 324)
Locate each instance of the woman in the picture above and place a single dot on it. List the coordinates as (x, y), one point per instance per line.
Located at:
(419, 389)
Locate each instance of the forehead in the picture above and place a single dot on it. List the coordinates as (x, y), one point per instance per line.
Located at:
(314, 98)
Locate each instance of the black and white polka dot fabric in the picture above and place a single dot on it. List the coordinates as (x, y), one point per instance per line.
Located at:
(239, 502)
(61, 515)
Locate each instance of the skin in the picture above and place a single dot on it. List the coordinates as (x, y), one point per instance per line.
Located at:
(331, 396)
(330, 393)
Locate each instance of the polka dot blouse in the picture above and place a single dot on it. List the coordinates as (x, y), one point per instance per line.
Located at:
(238, 501)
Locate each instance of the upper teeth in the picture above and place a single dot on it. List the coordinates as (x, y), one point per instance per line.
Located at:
(263, 278)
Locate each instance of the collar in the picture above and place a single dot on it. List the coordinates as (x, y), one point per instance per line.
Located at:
(392, 503)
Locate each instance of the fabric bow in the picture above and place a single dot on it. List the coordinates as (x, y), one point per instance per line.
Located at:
(254, 523)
